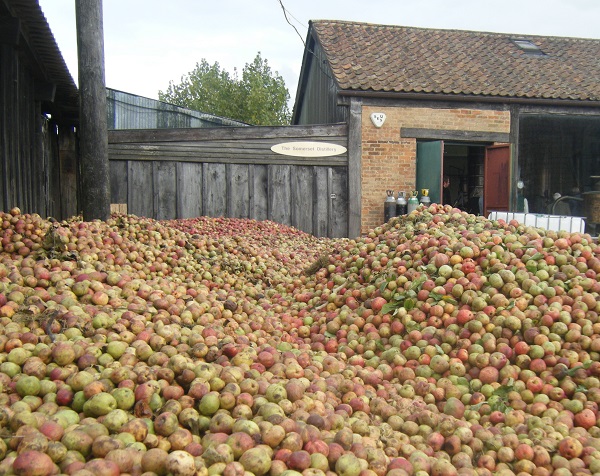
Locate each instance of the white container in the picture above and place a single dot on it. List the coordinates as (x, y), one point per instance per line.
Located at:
(549, 222)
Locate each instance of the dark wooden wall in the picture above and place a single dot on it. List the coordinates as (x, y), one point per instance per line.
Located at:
(20, 140)
(29, 154)
(318, 101)
(32, 146)
(232, 172)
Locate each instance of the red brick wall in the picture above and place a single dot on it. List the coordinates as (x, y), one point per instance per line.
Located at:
(389, 162)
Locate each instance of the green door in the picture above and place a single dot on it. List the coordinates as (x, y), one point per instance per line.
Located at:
(429, 168)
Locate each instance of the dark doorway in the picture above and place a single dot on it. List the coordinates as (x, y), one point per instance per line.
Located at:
(464, 166)
(558, 155)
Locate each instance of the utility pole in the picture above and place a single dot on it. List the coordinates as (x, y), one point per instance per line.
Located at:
(93, 134)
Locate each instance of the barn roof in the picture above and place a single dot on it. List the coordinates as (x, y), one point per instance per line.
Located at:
(387, 58)
(48, 61)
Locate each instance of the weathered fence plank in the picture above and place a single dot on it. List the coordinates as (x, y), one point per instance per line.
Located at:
(165, 186)
(302, 206)
(189, 190)
(279, 134)
(67, 176)
(259, 193)
(238, 203)
(280, 194)
(338, 217)
(214, 190)
(218, 155)
(141, 189)
(321, 202)
(118, 182)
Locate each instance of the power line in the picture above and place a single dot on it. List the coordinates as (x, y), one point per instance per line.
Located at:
(292, 16)
(319, 60)
(285, 14)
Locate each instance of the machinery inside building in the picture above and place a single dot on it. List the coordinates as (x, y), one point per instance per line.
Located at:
(559, 163)
(464, 166)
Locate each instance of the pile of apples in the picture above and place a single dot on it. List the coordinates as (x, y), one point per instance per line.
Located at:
(439, 343)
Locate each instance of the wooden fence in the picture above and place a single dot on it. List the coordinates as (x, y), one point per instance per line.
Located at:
(232, 172)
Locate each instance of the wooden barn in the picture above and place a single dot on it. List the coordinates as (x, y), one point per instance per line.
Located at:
(38, 115)
(514, 118)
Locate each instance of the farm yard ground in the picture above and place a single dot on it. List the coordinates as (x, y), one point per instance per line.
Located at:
(439, 343)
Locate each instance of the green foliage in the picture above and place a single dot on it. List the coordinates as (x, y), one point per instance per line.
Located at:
(259, 97)
(408, 299)
(499, 401)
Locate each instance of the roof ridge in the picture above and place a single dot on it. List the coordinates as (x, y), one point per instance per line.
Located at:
(372, 57)
(454, 30)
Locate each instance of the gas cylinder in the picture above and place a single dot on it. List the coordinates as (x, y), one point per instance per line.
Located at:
(389, 207)
(413, 202)
(401, 204)
(425, 199)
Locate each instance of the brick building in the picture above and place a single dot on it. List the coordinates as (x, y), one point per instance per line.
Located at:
(507, 117)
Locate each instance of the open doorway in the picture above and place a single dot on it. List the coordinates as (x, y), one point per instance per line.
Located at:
(479, 174)
(464, 166)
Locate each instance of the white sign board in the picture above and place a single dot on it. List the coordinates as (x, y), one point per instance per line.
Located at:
(378, 118)
(308, 149)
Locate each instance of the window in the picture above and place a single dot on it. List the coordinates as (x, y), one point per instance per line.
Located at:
(528, 46)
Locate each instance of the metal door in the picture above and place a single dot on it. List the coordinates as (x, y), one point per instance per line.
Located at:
(430, 157)
(496, 189)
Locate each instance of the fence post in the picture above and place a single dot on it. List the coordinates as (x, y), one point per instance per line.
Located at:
(93, 134)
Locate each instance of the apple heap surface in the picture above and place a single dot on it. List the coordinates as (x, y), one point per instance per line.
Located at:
(439, 343)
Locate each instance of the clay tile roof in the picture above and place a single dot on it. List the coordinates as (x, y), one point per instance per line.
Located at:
(369, 57)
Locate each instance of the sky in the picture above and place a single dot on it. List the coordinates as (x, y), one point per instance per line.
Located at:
(149, 43)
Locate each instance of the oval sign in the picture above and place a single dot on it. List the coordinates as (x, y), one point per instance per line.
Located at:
(308, 149)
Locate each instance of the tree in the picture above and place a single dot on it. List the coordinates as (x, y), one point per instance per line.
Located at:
(259, 97)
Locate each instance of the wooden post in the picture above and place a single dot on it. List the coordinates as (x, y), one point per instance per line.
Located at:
(93, 134)
(355, 168)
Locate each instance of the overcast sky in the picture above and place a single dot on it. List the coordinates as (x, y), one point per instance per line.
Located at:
(147, 43)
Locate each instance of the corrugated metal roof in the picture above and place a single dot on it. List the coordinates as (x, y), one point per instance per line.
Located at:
(387, 58)
(43, 46)
(129, 111)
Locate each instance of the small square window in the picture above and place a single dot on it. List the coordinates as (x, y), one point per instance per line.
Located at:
(528, 47)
